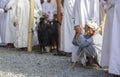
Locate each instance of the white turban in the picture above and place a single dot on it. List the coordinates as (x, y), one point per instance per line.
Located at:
(92, 24)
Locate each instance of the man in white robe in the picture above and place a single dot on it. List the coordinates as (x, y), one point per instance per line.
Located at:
(21, 23)
(6, 25)
(84, 10)
(67, 32)
(48, 9)
(111, 41)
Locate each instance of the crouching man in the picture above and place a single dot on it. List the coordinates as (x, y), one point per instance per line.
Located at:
(90, 44)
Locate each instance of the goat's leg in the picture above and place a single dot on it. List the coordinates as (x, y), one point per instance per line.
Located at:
(57, 51)
(44, 49)
(56, 41)
(50, 48)
(41, 48)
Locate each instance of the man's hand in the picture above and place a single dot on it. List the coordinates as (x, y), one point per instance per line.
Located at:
(78, 29)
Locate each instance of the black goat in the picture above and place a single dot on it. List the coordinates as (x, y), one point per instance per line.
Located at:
(48, 34)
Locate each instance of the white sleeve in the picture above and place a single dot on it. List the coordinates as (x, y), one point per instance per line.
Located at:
(38, 5)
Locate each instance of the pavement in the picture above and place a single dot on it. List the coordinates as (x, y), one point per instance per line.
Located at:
(14, 63)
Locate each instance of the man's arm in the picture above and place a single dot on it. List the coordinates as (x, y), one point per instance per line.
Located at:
(85, 42)
(82, 41)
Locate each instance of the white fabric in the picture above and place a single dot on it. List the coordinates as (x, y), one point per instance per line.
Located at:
(1, 11)
(54, 4)
(7, 31)
(111, 41)
(83, 11)
(0, 40)
(22, 20)
(67, 29)
(2, 17)
(37, 15)
(48, 9)
(37, 8)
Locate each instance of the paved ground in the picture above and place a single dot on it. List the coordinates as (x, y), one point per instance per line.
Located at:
(15, 63)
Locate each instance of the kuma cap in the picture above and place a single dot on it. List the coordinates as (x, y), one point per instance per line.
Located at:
(92, 24)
